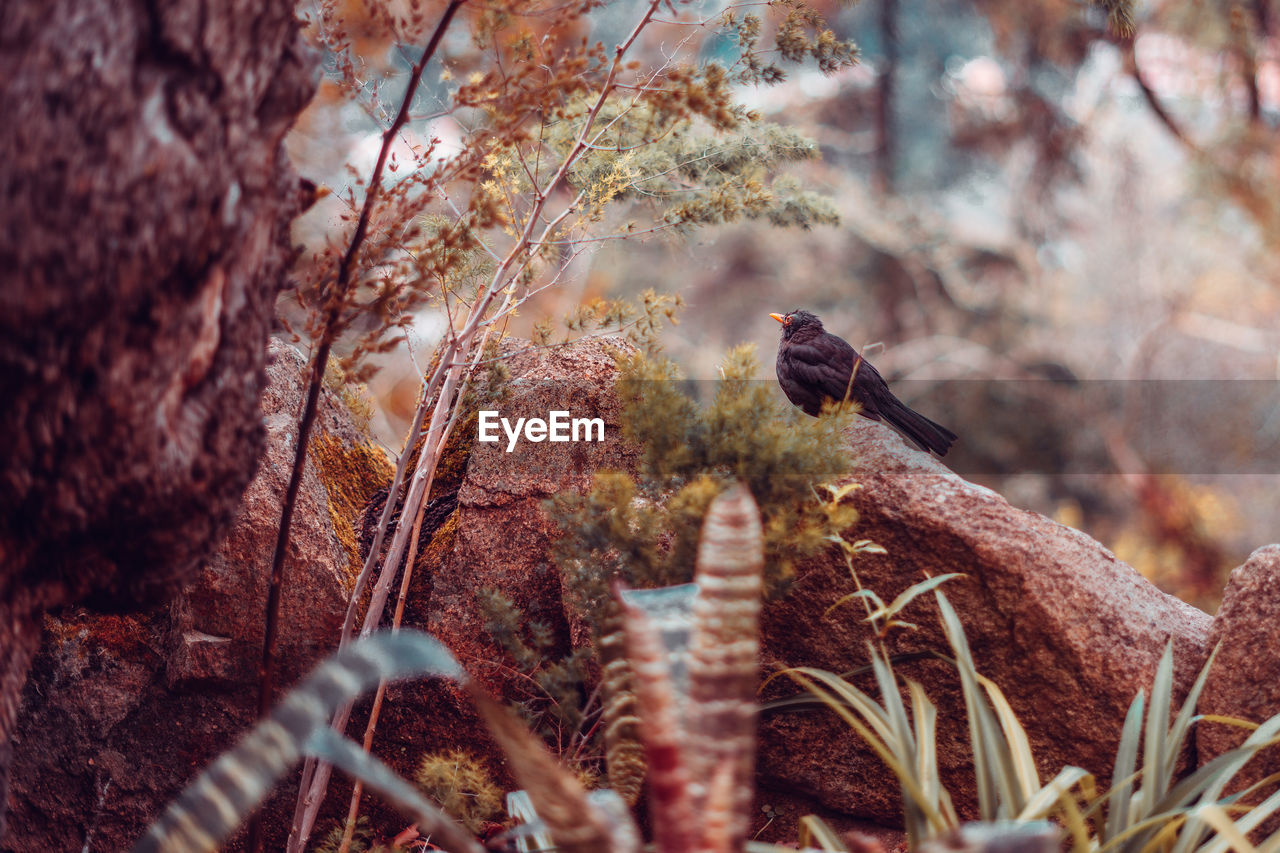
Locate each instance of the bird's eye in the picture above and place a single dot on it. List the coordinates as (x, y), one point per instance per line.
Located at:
(786, 321)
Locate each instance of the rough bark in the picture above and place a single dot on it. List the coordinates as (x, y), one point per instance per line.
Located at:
(143, 237)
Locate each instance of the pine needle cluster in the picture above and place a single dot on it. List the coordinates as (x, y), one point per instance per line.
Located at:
(557, 707)
(644, 531)
(692, 178)
(462, 786)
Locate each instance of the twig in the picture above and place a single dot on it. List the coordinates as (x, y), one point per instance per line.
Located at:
(315, 777)
(332, 326)
(447, 376)
(349, 833)
(307, 792)
(1153, 101)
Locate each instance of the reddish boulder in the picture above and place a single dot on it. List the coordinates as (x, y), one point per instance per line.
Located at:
(121, 711)
(1068, 631)
(218, 618)
(1244, 680)
(499, 538)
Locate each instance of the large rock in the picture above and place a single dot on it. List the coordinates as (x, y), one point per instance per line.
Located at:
(498, 537)
(1244, 680)
(1068, 632)
(121, 711)
(503, 534)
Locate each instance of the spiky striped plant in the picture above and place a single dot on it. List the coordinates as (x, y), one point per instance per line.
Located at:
(700, 742)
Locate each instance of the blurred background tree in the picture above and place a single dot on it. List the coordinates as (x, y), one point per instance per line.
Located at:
(1025, 197)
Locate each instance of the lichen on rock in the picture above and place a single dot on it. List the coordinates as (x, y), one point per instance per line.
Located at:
(352, 471)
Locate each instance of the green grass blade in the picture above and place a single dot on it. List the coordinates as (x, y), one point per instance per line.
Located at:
(1207, 782)
(1132, 837)
(1182, 725)
(1057, 791)
(1264, 782)
(1216, 817)
(1077, 821)
(1120, 810)
(1026, 776)
(988, 795)
(872, 723)
(920, 814)
(912, 592)
(895, 711)
(925, 715)
(844, 599)
(1000, 796)
(849, 697)
(1247, 824)
(1155, 740)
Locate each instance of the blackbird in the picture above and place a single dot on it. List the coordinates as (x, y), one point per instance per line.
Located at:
(814, 367)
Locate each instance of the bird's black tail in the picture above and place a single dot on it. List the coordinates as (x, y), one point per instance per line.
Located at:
(926, 434)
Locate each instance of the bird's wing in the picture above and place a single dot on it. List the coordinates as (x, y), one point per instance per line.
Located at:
(816, 367)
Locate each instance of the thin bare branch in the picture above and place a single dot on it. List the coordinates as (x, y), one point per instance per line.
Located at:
(335, 303)
(1154, 102)
(447, 377)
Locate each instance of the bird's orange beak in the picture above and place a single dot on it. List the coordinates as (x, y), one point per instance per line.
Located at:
(779, 318)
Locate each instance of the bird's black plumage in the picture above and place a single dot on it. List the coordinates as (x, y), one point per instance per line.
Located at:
(814, 366)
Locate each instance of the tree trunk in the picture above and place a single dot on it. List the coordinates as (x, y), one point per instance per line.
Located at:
(145, 205)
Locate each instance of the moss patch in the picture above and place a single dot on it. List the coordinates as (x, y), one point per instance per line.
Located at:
(457, 452)
(351, 475)
(453, 463)
(432, 553)
(439, 547)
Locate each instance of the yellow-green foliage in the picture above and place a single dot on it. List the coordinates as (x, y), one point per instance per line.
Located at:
(698, 179)
(557, 706)
(645, 532)
(448, 254)
(462, 786)
(361, 840)
(353, 394)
